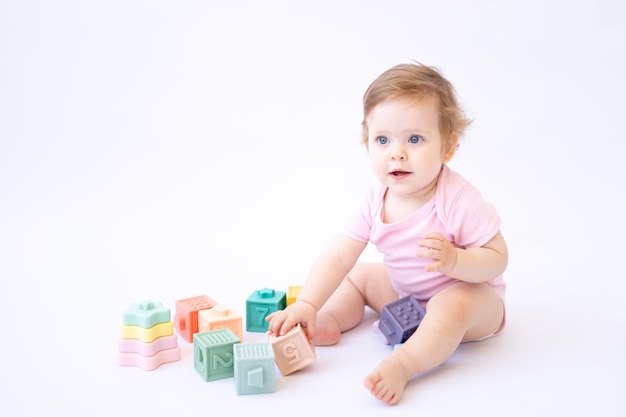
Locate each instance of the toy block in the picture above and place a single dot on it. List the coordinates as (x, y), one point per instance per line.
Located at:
(260, 304)
(220, 317)
(292, 293)
(148, 349)
(292, 351)
(213, 354)
(147, 335)
(149, 363)
(146, 314)
(399, 319)
(254, 368)
(186, 318)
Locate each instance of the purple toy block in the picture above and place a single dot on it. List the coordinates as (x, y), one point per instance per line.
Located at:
(399, 319)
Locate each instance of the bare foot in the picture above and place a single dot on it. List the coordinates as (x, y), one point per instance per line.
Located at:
(387, 381)
(326, 330)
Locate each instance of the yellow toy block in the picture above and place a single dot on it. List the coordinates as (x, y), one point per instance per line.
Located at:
(293, 351)
(292, 293)
(147, 335)
(220, 317)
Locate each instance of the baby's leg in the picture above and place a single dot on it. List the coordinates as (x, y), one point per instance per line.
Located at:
(459, 312)
(366, 284)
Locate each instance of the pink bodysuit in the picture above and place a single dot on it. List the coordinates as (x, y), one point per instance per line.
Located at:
(457, 210)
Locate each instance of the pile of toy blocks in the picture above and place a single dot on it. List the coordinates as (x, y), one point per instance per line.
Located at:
(216, 331)
(219, 348)
(148, 338)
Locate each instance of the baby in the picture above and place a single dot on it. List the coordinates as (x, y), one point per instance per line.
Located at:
(440, 240)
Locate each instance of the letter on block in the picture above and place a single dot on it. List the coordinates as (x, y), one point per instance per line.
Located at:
(213, 354)
(293, 351)
(260, 304)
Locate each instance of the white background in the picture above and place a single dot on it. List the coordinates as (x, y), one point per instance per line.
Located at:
(167, 149)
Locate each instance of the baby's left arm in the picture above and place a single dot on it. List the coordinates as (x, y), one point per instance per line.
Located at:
(472, 264)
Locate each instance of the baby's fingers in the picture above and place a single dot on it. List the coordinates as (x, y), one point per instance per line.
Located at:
(435, 266)
(287, 325)
(275, 322)
(280, 323)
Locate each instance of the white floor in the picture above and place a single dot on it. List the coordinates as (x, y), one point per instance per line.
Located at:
(162, 150)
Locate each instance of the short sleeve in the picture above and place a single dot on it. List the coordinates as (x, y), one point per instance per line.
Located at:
(472, 221)
(359, 225)
(469, 220)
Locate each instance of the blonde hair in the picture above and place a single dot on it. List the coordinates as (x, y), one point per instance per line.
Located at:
(418, 81)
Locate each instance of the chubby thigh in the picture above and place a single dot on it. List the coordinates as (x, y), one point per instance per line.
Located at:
(476, 308)
(372, 280)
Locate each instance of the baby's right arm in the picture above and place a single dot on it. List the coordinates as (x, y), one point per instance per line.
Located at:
(330, 268)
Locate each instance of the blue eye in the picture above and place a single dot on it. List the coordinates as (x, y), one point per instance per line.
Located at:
(382, 140)
(415, 139)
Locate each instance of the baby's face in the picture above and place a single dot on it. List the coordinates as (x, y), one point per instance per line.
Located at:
(405, 146)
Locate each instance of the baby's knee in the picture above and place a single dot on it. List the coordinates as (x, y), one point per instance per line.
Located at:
(327, 330)
(459, 300)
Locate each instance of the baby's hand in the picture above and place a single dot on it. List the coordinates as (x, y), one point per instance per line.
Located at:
(440, 250)
(281, 322)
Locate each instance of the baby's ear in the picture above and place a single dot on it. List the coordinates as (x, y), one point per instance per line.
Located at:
(450, 148)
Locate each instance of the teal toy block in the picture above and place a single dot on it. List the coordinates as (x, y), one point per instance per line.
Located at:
(260, 304)
(146, 314)
(213, 354)
(254, 368)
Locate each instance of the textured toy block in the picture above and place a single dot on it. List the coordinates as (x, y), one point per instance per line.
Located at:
(149, 363)
(260, 304)
(292, 293)
(292, 351)
(220, 317)
(147, 335)
(186, 318)
(254, 368)
(148, 349)
(399, 319)
(213, 354)
(146, 314)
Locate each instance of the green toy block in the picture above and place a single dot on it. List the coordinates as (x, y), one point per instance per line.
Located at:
(146, 314)
(213, 353)
(260, 304)
(254, 368)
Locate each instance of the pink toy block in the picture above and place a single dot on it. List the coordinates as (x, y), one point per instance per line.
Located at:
(186, 318)
(293, 351)
(149, 363)
(148, 349)
(220, 317)
(292, 293)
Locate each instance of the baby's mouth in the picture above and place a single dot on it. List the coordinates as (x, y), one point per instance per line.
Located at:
(399, 173)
